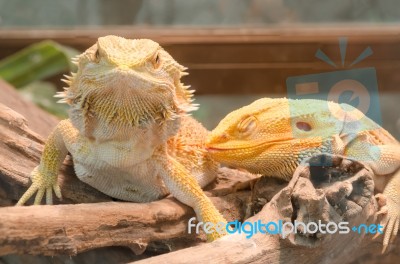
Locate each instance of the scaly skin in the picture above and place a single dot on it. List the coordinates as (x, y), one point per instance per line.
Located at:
(128, 130)
(272, 136)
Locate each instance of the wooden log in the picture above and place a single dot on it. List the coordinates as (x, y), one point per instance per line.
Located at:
(20, 150)
(38, 120)
(69, 229)
(92, 220)
(343, 192)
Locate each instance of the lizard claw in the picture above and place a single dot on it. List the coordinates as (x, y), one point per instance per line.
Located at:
(218, 230)
(384, 210)
(381, 199)
(390, 221)
(376, 236)
(41, 185)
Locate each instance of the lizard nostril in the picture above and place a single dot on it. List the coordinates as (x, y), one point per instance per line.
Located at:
(303, 126)
(224, 137)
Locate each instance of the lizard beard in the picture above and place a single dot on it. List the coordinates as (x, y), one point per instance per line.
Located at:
(114, 111)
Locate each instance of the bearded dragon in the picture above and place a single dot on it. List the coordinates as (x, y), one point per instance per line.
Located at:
(272, 136)
(129, 131)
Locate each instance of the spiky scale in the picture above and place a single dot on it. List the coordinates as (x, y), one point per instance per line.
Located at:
(274, 146)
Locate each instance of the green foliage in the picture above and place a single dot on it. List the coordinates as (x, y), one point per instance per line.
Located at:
(26, 68)
(36, 62)
(42, 94)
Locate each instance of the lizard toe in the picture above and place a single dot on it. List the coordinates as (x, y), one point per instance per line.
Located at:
(390, 222)
(39, 196)
(27, 195)
(381, 199)
(382, 211)
(49, 195)
(57, 191)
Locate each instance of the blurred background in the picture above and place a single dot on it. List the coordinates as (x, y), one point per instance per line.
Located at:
(236, 51)
(78, 13)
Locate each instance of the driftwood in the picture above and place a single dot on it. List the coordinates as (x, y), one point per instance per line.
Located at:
(38, 120)
(342, 192)
(90, 220)
(70, 229)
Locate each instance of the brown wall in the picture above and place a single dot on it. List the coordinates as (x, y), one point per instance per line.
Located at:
(244, 60)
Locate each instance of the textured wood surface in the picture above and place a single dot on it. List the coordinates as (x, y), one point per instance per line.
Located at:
(92, 222)
(89, 219)
(312, 195)
(69, 229)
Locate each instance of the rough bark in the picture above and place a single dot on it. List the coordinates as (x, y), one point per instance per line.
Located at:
(73, 228)
(70, 229)
(343, 191)
(20, 149)
(91, 220)
(38, 120)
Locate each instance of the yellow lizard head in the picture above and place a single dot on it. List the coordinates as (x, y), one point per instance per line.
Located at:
(271, 136)
(126, 82)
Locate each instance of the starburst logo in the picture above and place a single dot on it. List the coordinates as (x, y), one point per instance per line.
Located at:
(345, 85)
(356, 87)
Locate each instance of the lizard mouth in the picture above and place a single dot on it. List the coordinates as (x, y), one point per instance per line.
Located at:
(238, 147)
(212, 149)
(221, 149)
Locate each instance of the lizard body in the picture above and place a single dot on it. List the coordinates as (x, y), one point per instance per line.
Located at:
(129, 132)
(272, 137)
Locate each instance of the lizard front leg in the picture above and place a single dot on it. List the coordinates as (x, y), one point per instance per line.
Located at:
(44, 177)
(390, 209)
(184, 187)
(383, 160)
(386, 160)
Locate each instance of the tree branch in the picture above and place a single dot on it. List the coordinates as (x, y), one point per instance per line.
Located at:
(341, 192)
(70, 229)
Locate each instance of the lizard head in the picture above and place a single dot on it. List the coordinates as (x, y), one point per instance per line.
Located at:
(126, 82)
(273, 135)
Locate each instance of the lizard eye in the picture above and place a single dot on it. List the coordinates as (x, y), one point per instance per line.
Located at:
(303, 126)
(97, 56)
(156, 61)
(247, 125)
